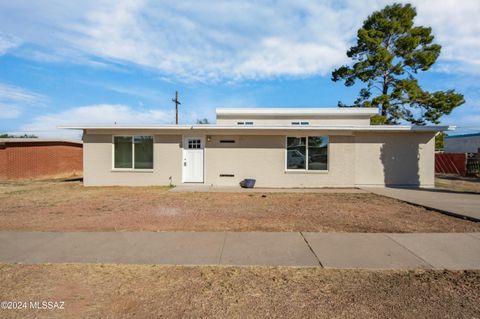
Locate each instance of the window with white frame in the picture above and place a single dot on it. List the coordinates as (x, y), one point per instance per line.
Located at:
(133, 152)
(307, 153)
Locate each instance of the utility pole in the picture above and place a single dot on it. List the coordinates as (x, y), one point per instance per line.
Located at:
(177, 103)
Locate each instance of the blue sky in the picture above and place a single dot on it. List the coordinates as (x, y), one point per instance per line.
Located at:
(65, 62)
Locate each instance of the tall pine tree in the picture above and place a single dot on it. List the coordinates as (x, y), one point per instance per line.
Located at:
(389, 53)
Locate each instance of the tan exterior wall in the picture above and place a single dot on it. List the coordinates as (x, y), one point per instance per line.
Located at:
(98, 169)
(366, 159)
(324, 120)
(263, 158)
(395, 159)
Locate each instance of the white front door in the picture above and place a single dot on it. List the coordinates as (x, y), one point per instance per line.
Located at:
(193, 159)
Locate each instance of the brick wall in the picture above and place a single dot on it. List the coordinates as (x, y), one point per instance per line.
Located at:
(29, 160)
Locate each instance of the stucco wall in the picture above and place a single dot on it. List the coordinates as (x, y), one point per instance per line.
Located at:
(370, 159)
(263, 158)
(97, 152)
(394, 159)
(324, 120)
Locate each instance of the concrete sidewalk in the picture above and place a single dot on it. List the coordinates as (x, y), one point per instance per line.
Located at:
(462, 205)
(329, 250)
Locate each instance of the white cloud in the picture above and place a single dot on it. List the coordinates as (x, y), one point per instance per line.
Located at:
(466, 117)
(223, 40)
(456, 27)
(14, 99)
(9, 112)
(8, 42)
(142, 92)
(46, 125)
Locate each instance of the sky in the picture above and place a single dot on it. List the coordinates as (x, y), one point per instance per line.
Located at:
(105, 61)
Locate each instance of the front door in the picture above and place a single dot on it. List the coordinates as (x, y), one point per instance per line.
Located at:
(193, 159)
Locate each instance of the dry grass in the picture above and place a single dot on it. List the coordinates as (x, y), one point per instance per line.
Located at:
(144, 291)
(55, 206)
(458, 183)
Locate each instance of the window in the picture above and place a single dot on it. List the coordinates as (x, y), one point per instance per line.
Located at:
(300, 123)
(296, 152)
(194, 144)
(305, 123)
(133, 152)
(245, 123)
(240, 123)
(307, 153)
(227, 141)
(248, 123)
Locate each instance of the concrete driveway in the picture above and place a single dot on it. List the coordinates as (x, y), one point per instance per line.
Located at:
(450, 202)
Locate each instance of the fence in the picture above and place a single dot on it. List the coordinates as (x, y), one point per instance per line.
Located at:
(462, 164)
(451, 163)
(30, 159)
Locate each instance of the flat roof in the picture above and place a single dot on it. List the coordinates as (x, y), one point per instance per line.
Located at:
(463, 135)
(337, 111)
(372, 128)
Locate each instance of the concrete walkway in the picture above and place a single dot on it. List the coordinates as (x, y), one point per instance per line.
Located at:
(453, 203)
(329, 250)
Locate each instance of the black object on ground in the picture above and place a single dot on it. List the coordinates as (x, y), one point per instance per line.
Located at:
(247, 183)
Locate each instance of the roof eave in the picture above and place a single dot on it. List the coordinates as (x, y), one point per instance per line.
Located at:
(373, 128)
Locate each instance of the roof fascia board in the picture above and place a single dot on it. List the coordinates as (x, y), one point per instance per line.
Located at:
(368, 128)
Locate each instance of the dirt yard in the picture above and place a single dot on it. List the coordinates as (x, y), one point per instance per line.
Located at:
(68, 206)
(458, 183)
(145, 291)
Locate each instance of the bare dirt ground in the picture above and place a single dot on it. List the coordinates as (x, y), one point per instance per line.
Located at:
(148, 291)
(458, 183)
(68, 206)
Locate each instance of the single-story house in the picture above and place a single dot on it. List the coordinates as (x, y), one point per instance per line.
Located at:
(279, 147)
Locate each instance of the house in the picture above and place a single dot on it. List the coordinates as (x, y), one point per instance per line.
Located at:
(465, 143)
(35, 158)
(279, 147)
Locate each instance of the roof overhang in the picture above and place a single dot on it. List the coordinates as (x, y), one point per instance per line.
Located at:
(214, 127)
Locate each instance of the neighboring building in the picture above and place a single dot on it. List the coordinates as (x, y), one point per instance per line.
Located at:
(466, 143)
(316, 147)
(33, 158)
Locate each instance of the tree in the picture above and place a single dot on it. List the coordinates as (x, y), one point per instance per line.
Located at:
(389, 52)
(203, 121)
(439, 141)
(18, 136)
